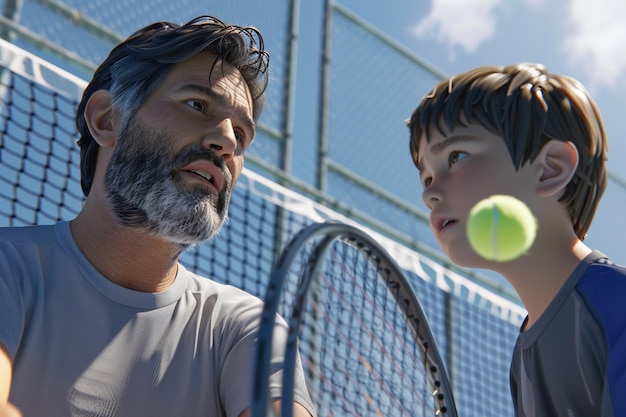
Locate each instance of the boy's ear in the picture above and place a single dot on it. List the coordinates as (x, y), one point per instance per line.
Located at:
(556, 163)
(98, 115)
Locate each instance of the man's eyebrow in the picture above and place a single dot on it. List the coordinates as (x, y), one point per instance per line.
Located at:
(222, 99)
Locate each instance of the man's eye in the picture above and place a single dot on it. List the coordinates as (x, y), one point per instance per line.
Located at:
(426, 181)
(198, 105)
(455, 156)
(240, 136)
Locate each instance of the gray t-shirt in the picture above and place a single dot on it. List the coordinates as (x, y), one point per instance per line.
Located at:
(84, 346)
(572, 361)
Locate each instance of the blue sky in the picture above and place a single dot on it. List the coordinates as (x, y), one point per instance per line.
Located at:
(580, 38)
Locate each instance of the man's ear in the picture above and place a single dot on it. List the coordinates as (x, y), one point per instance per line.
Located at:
(556, 164)
(98, 115)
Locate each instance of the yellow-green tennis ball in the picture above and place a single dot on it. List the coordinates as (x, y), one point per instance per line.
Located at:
(501, 228)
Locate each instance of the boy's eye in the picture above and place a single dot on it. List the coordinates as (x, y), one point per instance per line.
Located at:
(455, 156)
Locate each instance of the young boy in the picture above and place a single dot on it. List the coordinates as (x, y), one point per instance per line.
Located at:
(522, 131)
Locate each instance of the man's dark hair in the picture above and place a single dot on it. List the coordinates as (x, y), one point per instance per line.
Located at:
(135, 67)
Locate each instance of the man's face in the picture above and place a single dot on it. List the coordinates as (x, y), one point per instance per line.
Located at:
(458, 169)
(176, 161)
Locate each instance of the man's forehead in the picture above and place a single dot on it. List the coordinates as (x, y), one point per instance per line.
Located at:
(209, 67)
(221, 77)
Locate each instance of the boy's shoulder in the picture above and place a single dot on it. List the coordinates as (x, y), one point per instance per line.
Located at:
(603, 287)
(603, 272)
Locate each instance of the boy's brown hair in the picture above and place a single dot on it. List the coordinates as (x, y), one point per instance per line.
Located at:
(526, 106)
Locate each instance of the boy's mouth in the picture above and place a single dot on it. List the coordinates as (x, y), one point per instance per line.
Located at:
(447, 222)
(440, 223)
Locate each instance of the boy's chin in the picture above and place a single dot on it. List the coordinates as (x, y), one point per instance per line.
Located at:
(467, 258)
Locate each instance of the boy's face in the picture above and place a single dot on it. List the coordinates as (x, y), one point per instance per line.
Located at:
(458, 169)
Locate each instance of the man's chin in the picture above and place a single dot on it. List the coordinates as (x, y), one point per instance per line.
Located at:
(185, 242)
(185, 237)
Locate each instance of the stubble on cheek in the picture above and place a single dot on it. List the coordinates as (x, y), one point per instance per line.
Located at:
(145, 193)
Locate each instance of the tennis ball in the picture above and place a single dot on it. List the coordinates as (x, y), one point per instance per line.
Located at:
(501, 228)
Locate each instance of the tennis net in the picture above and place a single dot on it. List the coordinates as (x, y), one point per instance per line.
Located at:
(39, 184)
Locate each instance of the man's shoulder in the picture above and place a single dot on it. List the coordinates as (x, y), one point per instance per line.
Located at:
(21, 235)
(30, 250)
(26, 242)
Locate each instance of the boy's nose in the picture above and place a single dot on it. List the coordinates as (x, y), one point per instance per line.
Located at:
(431, 196)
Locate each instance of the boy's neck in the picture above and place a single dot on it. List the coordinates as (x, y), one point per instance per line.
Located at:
(542, 275)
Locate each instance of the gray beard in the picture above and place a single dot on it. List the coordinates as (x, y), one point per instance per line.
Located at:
(145, 192)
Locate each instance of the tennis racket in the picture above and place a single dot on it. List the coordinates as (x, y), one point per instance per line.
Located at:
(362, 335)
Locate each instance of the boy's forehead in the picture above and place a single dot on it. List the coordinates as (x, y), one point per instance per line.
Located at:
(431, 140)
(438, 140)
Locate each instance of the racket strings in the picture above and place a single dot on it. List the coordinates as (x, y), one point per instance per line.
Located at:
(395, 288)
(368, 363)
(340, 357)
(430, 363)
(356, 353)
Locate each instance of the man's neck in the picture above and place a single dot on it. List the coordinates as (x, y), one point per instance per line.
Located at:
(125, 256)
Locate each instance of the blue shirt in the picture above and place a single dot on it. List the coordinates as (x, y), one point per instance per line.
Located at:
(572, 361)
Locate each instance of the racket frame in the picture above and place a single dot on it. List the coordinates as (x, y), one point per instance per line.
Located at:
(398, 285)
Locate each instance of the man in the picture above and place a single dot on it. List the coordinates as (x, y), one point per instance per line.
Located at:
(98, 316)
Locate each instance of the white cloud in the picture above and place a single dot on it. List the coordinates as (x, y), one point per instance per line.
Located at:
(534, 4)
(596, 41)
(459, 22)
(464, 23)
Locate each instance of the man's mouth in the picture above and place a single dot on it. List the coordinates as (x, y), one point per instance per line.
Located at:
(207, 171)
(204, 175)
